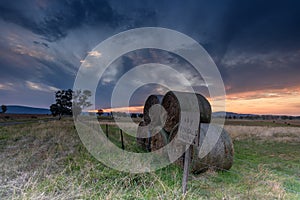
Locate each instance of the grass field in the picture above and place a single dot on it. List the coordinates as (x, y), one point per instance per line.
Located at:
(48, 161)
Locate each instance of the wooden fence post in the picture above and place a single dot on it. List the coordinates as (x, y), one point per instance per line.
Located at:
(106, 130)
(186, 167)
(122, 140)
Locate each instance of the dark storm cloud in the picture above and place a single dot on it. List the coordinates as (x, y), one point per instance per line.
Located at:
(16, 67)
(216, 24)
(260, 27)
(254, 43)
(259, 39)
(55, 19)
(233, 29)
(57, 77)
(255, 77)
(259, 44)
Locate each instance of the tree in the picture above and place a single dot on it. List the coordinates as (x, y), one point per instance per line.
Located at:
(4, 108)
(63, 105)
(80, 101)
(76, 110)
(70, 103)
(133, 115)
(54, 109)
(100, 112)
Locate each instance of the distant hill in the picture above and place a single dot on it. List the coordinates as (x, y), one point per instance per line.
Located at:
(230, 114)
(26, 110)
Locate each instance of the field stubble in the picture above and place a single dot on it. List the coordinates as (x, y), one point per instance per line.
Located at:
(48, 161)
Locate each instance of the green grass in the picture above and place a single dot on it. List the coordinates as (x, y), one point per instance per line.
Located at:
(128, 140)
(48, 160)
(4, 118)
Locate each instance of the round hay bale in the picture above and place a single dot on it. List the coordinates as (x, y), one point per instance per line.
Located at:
(142, 135)
(176, 148)
(158, 140)
(148, 139)
(150, 101)
(171, 104)
(219, 158)
(152, 124)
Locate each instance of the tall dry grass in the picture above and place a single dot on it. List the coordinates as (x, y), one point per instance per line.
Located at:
(48, 161)
(279, 134)
(32, 152)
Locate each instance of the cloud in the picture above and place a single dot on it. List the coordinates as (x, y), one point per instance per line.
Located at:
(158, 79)
(6, 86)
(24, 50)
(110, 76)
(255, 44)
(94, 54)
(144, 56)
(276, 70)
(265, 94)
(41, 43)
(40, 87)
(55, 19)
(281, 102)
(29, 93)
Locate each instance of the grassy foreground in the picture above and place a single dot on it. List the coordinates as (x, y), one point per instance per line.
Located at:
(48, 161)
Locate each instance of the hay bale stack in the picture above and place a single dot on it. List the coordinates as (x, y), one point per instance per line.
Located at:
(221, 155)
(171, 104)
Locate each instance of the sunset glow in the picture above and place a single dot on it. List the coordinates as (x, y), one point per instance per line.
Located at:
(278, 102)
(132, 109)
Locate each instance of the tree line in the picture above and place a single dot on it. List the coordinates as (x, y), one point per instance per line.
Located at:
(3, 108)
(69, 102)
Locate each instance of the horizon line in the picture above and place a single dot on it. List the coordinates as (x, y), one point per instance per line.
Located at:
(139, 109)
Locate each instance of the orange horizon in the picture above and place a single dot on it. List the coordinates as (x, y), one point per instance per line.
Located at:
(130, 109)
(139, 109)
(262, 102)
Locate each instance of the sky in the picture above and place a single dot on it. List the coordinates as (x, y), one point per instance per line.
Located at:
(255, 45)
